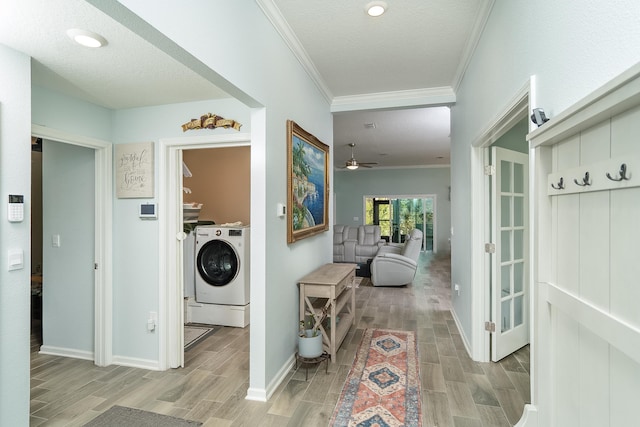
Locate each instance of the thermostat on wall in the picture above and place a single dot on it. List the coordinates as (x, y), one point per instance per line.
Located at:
(148, 211)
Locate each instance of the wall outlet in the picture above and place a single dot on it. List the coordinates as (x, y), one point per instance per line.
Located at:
(356, 218)
(456, 288)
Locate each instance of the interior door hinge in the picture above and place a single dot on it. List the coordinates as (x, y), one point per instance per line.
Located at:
(489, 326)
(490, 248)
(489, 170)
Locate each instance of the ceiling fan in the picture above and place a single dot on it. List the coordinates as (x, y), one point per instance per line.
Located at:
(353, 164)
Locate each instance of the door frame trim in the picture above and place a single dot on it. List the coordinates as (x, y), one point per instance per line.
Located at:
(520, 104)
(171, 291)
(103, 281)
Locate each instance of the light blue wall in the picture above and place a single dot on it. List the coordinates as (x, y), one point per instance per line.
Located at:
(515, 138)
(571, 47)
(258, 62)
(68, 193)
(350, 187)
(135, 241)
(61, 112)
(15, 293)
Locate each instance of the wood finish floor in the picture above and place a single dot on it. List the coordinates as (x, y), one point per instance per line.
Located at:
(457, 392)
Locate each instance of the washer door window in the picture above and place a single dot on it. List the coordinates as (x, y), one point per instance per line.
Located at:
(218, 263)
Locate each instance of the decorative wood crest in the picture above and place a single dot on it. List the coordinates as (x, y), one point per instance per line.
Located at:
(211, 121)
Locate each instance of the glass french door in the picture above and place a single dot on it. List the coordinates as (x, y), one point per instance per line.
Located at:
(398, 216)
(509, 284)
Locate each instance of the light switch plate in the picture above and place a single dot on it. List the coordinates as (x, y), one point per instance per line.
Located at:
(16, 259)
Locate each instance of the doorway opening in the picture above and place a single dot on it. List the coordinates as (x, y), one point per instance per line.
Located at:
(216, 204)
(484, 267)
(171, 283)
(96, 161)
(398, 215)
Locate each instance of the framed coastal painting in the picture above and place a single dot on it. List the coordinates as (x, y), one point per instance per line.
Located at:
(307, 184)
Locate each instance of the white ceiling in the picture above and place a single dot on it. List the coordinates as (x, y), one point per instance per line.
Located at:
(417, 46)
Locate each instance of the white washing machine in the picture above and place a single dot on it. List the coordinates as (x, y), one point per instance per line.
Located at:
(222, 276)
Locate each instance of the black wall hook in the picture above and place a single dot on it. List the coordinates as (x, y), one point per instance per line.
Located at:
(622, 174)
(559, 186)
(585, 180)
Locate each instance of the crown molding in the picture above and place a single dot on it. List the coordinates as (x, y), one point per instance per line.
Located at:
(472, 42)
(403, 98)
(274, 15)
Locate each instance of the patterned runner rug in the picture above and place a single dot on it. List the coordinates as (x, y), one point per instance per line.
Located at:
(383, 386)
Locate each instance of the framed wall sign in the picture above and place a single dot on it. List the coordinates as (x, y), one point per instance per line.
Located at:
(307, 184)
(134, 170)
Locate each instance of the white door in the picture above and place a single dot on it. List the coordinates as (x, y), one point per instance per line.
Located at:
(509, 263)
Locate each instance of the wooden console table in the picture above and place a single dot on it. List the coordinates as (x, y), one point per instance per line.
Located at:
(330, 289)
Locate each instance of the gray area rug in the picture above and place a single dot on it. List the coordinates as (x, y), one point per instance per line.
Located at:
(120, 416)
(196, 332)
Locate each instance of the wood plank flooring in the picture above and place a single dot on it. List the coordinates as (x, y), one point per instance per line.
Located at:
(457, 392)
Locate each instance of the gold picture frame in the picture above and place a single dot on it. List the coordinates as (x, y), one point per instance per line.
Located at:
(307, 184)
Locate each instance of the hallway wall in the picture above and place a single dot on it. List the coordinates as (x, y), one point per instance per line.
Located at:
(15, 295)
(572, 48)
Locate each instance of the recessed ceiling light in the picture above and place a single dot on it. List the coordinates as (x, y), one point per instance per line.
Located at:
(86, 38)
(376, 8)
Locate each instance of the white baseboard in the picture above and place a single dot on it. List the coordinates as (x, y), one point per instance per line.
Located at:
(133, 362)
(529, 417)
(465, 341)
(262, 395)
(256, 394)
(67, 352)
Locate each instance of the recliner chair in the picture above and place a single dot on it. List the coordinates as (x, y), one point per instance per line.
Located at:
(344, 243)
(396, 265)
(369, 242)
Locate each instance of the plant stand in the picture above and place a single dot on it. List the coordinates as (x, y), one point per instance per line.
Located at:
(324, 357)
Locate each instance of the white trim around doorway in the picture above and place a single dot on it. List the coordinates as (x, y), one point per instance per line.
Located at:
(103, 333)
(170, 283)
(480, 267)
(523, 102)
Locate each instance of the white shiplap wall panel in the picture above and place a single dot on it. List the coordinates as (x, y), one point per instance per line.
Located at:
(567, 155)
(625, 390)
(567, 368)
(594, 222)
(625, 225)
(589, 293)
(624, 256)
(625, 133)
(594, 380)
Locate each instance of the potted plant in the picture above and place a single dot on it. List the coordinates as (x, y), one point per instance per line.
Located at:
(310, 337)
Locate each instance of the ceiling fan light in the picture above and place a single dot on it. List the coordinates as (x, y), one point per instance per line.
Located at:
(86, 38)
(352, 167)
(376, 8)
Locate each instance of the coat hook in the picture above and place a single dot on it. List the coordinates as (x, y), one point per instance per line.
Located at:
(585, 180)
(559, 186)
(622, 173)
